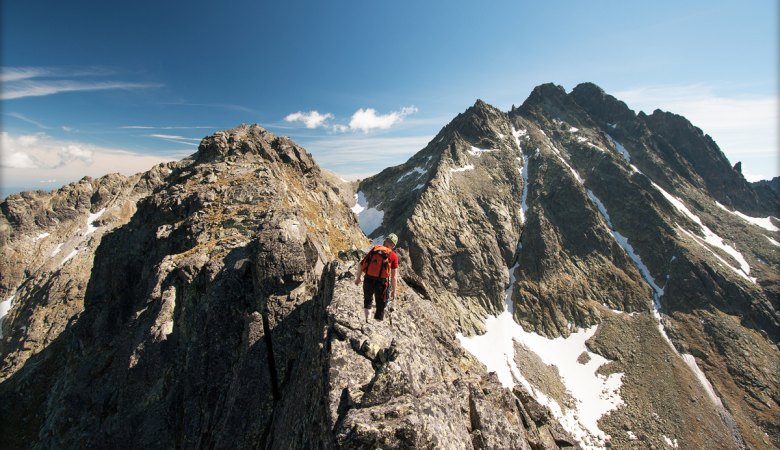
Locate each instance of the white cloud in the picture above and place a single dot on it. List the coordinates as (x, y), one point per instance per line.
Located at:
(21, 82)
(367, 119)
(19, 160)
(71, 152)
(745, 128)
(176, 139)
(24, 89)
(28, 159)
(311, 119)
(21, 73)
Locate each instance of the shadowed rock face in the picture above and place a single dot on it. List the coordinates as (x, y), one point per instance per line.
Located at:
(210, 302)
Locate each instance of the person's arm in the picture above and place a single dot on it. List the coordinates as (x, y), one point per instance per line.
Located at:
(394, 281)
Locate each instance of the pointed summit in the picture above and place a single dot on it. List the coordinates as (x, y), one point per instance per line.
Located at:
(600, 105)
(550, 101)
(253, 139)
(544, 94)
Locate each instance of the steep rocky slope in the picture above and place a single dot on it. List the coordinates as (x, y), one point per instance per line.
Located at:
(605, 217)
(207, 306)
(574, 275)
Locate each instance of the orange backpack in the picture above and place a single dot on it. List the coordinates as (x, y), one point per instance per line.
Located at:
(376, 263)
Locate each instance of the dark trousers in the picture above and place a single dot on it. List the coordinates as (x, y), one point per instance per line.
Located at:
(375, 288)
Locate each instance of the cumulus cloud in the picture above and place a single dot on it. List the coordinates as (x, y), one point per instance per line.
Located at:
(70, 153)
(367, 119)
(312, 119)
(25, 160)
(38, 151)
(364, 119)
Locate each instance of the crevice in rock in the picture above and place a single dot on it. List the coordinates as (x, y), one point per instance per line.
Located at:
(416, 286)
(271, 360)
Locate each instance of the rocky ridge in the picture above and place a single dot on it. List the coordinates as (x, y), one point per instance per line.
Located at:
(210, 302)
(220, 312)
(606, 213)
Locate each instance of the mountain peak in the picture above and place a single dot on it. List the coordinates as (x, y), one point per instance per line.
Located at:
(254, 139)
(548, 99)
(601, 105)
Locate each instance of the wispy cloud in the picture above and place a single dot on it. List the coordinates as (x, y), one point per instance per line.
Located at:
(312, 119)
(24, 89)
(176, 139)
(145, 127)
(228, 106)
(22, 82)
(24, 118)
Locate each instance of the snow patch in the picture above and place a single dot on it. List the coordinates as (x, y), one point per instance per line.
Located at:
(763, 222)
(670, 442)
(573, 130)
(68, 257)
(419, 186)
(691, 362)
(41, 236)
(703, 244)
(524, 198)
(369, 218)
(474, 151)
(571, 169)
(774, 242)
(710, 238)
(592, 145)
(418, 170)
(517, 134)
(56, 249)
(622, 150)
(658, 291)
(463, 169)
(91, 218)
(594, 394)
(5, 306)
(582, 139)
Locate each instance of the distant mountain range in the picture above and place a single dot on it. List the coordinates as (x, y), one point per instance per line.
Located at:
(574, 275)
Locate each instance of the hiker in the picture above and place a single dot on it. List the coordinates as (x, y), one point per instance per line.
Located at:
(380, 266)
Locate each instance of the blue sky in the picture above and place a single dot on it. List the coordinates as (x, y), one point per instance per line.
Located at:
(108, 86)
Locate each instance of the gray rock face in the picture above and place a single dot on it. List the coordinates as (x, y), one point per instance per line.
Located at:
(620, 213)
